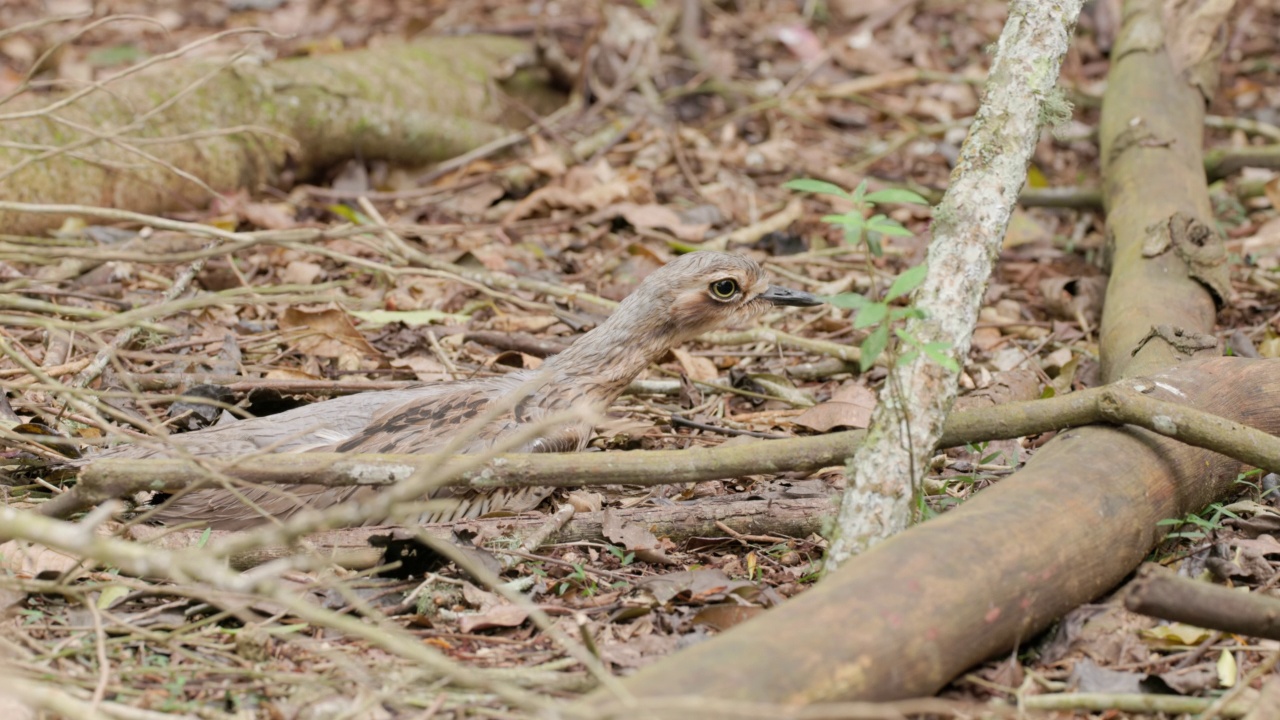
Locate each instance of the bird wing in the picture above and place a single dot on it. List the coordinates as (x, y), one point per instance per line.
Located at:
(297, 430)
(421, 421)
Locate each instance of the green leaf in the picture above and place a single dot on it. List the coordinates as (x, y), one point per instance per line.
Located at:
(815, 186)
(873, 244)
(110, 594)
(887, 226)
(873, 346)
(847, 301)
(204, 537)
(907, 337)
(411, 318)
(860, 191)
(907, 357)
(349, 214)
(904, 313)
(939, 356)
(895, 195)
(847, 219)
(871, 314)
(906, 282)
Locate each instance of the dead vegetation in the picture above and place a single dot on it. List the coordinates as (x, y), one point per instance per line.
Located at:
(336, 269)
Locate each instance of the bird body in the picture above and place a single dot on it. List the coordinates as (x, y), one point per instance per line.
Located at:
(690, 295)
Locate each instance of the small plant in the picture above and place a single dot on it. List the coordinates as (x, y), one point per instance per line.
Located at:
(879, 315)
(624, 558)
(579, 579)
(857, 226)
(1210, 520)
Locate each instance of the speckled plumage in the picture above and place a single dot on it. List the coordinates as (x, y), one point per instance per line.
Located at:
(675, 303)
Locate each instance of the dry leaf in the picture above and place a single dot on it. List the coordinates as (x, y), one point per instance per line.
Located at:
(1069, 298)
(548, 163)
(725, 615)
(284, 373)
(425, 368)
(634, 538)
(522, 323)
(582, 189)
(270, 216)
(849, 407)
(495, 617)
(654, 216)
(1005, 387)
(475, 201)
(584, 502)
(697, 368)
(298, 272)
(29, 560)
(1176, 634)
(330, 333)
(705, 585)
(1024, 229)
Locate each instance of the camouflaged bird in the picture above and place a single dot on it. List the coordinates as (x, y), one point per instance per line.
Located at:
(690, 295)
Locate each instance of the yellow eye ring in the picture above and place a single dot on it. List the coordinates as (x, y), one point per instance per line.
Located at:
(724, 289)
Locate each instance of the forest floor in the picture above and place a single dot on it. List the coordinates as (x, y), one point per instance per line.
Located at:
(687, 142)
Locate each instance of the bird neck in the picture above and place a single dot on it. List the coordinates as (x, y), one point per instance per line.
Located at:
(604, 361)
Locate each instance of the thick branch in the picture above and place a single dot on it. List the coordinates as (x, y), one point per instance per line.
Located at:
(351, 547)
(968, 230)
(1123, 403)
(1159, 593)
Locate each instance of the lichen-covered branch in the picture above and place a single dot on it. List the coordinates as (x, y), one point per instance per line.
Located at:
(968, 230)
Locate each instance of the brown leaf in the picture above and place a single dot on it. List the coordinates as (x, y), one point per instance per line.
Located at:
(705, 585)
(849, 407)
(522, 323)
(29, 560)
(1024, 229)
(635, 538)
(426, 369)
(1069, 298)
(583, 189)
(584, 502)
(640, 651)
(298, 272)
(725, 615)
(285, 373)
(330, 333)
(1005, 387)
(654, 216)
(498, 616)
(475, 201)
(270, 216)
(697, 368)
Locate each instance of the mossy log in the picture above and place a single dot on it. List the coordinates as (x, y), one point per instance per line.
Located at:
(168, 138)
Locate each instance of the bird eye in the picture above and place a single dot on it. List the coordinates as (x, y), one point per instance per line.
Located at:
(724, 289)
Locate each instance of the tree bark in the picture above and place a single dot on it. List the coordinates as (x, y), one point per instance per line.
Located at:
(968, 230)
(904, 618)
(166, 140)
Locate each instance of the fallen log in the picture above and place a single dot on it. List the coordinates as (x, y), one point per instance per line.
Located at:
(364, 547)
(169, 138)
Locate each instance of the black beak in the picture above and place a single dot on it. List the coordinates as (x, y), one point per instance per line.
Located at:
(785, 296)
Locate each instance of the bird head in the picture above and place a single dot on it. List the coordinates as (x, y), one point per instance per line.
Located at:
(703, 291)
